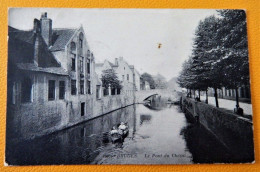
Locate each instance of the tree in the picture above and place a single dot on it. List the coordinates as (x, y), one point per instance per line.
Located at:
(220, 54)
(109, 77)
(160, 81)
(206, 53)
(186, 78)
(147, 77)
(233, 34)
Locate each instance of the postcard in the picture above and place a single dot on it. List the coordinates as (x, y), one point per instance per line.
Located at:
(128, 86)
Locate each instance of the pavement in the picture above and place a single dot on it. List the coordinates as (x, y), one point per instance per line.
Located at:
(229, 104)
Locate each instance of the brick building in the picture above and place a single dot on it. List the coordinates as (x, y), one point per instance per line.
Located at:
(51, 79)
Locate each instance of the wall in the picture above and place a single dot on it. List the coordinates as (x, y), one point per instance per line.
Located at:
(42, 116)
(124, 69)
(233, 131)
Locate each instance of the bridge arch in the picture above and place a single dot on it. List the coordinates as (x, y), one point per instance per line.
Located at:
(142, 95)
(150, 96)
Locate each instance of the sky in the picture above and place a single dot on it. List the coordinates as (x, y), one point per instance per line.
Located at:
(133, 34)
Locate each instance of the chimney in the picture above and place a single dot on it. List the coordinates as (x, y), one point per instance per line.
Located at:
(46, 28)
(36, 30)
(116, 61)
(36, 26)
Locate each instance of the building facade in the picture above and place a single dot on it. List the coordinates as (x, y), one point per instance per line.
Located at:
(243, 93)
(52, 83)
(128, 76)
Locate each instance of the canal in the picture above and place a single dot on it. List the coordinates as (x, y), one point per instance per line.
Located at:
(158, 134)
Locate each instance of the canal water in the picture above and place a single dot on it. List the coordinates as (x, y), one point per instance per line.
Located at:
(157, 135)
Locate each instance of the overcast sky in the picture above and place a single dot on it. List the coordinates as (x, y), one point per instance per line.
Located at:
(133, 34)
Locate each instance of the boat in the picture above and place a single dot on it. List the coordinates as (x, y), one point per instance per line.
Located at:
(120, 136)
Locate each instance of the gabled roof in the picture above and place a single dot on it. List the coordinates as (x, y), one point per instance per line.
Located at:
(21, 51)
(21, 46)
(111, 64)
(60, 38)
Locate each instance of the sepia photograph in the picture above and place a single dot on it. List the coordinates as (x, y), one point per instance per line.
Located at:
(128, 86)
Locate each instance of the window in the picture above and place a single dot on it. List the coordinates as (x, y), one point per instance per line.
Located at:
(81, 65)
(73, 62)
(88, 66)
(88, 54)
(82, 109)
(98, 92)
(73, 87)
(81, 86)
(118, 91)
(127, 77)
(89, 89)
(51, 90)
(80, 43)
(26, 88)
(61, 89)
(81, 40)
(123, 77)
(72, 46)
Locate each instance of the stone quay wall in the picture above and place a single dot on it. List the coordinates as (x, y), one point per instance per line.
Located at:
(37, 119)
(233, 131)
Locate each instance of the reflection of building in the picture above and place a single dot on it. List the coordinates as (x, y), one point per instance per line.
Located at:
(127, 74)
(51, 78)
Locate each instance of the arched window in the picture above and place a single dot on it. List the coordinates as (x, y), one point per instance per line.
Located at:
(26, 88)
(72, 46)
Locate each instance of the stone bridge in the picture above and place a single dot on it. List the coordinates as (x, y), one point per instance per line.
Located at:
(141, 95)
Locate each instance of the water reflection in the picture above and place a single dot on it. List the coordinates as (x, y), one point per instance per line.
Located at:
(145, 118)
(157, 135)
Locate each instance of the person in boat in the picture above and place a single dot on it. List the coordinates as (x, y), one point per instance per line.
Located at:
(114, 131)
(122, 126)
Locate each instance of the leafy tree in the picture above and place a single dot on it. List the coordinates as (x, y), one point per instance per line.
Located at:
(233, 34)
(186, 78)
(206, 53)
(147, 77)
(160, 82)
(220, 54)
(109, 77)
